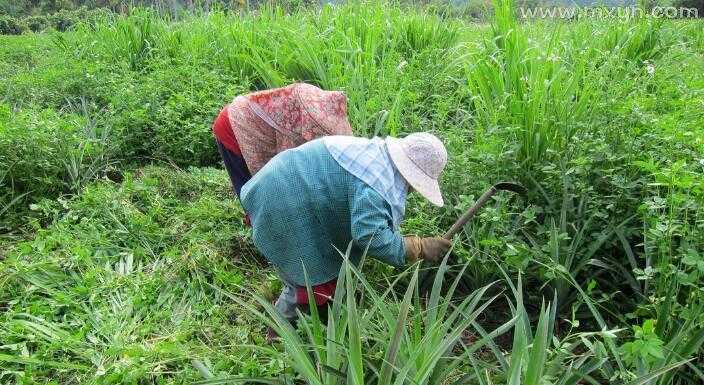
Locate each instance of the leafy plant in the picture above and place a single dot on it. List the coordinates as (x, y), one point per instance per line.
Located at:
(371, 337)
(646, 347)
(11, 26)
(37, 23)
(538, 92)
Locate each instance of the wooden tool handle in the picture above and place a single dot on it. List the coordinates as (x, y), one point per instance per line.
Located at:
(461, 221)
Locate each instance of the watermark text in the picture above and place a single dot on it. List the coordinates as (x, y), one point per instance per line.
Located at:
(621, 13)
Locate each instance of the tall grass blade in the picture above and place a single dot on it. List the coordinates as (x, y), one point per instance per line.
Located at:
(395, 342)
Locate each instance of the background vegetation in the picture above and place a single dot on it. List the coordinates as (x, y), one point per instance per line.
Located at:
(124, 260)
(20, 16)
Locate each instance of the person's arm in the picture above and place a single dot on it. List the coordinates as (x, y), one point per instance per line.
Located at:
(372, 225)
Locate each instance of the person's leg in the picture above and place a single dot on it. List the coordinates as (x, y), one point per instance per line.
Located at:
(287, 305)
(236, 168)
(322, 295)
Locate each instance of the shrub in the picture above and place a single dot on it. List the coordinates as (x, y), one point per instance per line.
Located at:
(168, 114)
(37, 23)
(45, 154)
(48, 85)
(63, 20)
(11, 26)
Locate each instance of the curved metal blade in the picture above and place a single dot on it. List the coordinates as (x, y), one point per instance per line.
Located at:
(511, 186)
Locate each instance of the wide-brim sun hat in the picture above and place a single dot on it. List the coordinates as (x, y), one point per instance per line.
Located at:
(420, 158)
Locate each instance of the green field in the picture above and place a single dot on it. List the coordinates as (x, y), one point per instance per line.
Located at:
(124, 258)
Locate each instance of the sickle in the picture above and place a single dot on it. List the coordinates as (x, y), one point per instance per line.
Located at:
(501, 186)
(427, 276)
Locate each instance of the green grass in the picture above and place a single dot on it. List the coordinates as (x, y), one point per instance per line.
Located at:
(123, 257)
(126, 287)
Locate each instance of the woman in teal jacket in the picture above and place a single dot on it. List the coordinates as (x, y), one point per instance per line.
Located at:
(310, 202)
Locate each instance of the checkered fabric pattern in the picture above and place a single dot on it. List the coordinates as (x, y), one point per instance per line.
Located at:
(306, 209)
(368, 160)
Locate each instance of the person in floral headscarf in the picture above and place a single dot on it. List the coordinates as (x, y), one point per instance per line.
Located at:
(255, 127)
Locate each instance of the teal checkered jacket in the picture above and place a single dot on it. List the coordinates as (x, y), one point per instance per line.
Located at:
(306, 209)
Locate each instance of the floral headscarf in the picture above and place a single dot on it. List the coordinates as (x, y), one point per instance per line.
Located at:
(268, 122)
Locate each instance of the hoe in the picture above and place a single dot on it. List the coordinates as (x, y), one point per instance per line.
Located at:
(426, 278)
(501, 186)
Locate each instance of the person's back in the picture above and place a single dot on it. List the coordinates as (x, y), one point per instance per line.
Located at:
(299, 204)
(257, 126)
(311, 168)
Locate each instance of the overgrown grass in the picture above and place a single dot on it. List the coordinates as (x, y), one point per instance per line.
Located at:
(125, 286)
(111, 281)
(373, 337)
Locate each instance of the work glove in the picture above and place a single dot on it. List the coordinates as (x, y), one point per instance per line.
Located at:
(428, 249)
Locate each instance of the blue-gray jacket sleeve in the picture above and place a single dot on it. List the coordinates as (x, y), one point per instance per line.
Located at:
(372, 225)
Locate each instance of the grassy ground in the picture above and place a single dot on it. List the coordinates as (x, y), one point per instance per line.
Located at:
(123, 253)
(128, 288)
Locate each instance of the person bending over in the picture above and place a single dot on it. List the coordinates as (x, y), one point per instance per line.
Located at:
(255, 127)
(309, 202)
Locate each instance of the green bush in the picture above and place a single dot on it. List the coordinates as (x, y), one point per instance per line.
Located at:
(37, 23)
(168, 113)
(44, 154)
(66, 19)
(34, 80)
(11, 26)
(63, 20)
(601, 121)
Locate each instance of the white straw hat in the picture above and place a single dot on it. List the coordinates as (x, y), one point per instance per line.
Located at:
(420, 158)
